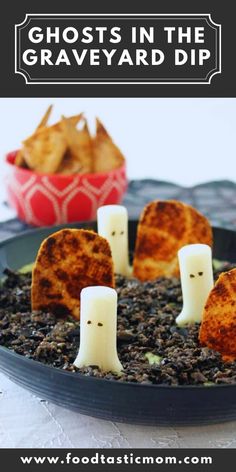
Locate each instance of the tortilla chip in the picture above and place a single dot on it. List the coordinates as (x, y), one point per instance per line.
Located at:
(69, 165)
(107, 156)
(165, 227)
(79, 145)
(44, 150)
(68, 261)
(20, 160)
(59, 125)
(75, 119)
(45, 118)
(218, 327)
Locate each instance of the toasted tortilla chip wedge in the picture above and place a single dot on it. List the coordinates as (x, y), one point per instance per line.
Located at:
(165, 227)
(218, 327)
(107, 156)
(69, 165)
(72, 120)
(79, 145)
(68, 261)
(44, 150)
(46, 116)
(75, 119)
(20, 160)
(59, 126)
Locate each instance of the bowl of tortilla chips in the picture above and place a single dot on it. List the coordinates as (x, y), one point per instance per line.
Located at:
(62, 173)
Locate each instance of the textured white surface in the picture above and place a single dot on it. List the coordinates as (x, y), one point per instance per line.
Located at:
(25, 421)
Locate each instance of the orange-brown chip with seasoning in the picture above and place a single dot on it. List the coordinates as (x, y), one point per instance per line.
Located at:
(45, 118)
(165, 227)
(44, 150)
(218, 327)
(68, 261)
(78, 158)
(20, 160)
(107, 156)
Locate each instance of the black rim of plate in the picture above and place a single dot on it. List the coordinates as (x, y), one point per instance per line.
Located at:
(64, 373)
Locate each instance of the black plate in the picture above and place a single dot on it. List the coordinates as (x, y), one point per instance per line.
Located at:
(116, 401)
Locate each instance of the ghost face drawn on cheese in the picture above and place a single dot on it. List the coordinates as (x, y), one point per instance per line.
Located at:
(98, 328)
(113, 226)
(196, 274)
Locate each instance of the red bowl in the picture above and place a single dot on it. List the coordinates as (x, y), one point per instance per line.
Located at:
(45, 200)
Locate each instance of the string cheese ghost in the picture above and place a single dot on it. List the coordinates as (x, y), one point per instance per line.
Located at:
(98, 324)
(196, 274)
(113, 225)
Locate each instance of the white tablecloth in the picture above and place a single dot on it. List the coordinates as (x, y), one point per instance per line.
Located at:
(25, 421)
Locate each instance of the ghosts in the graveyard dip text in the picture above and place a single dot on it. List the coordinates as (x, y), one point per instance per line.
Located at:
(197, 281)
(113, 225)
(98, 329)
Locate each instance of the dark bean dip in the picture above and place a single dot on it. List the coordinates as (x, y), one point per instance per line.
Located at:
(151, 348)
